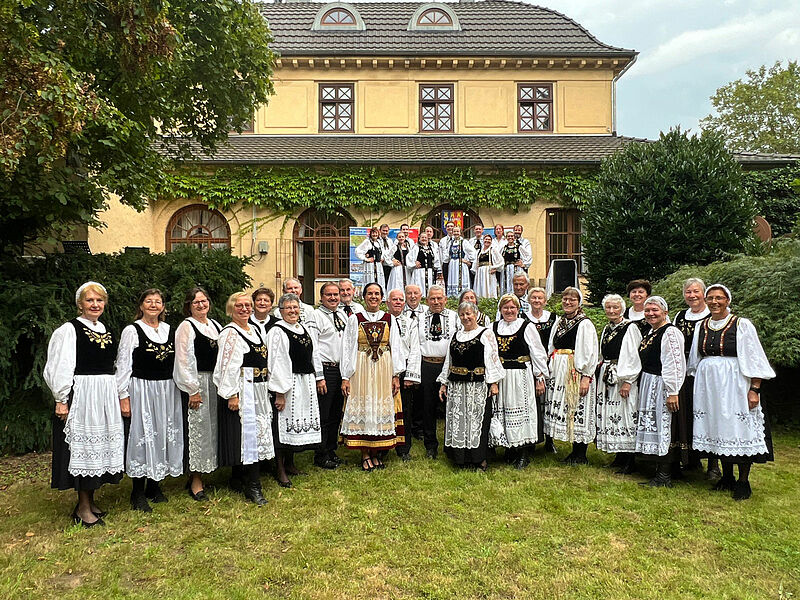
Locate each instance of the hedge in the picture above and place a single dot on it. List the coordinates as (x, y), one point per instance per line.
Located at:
(39, 296)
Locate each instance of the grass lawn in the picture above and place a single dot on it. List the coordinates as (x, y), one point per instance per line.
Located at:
(415, 530)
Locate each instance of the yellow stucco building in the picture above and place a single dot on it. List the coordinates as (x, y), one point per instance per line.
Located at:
(493, 85)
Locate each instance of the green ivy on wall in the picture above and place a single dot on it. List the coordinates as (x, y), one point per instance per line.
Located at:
(287, 190)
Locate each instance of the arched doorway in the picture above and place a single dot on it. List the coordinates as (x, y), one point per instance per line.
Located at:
(322, 248)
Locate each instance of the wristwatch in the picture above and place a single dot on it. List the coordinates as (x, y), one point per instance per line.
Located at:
(755, 389)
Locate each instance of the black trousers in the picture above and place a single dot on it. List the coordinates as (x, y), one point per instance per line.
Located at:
(409, 400)
(331, 405)
(430, 402)
(445, 270)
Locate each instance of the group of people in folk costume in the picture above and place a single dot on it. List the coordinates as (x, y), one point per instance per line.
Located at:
(484, 263)
(280, 380)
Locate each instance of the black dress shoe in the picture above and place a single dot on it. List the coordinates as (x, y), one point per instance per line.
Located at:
(78, 521)
(140, 503)
(742, 490)
(198, 496)
(253, 493)
(432, 454)
(283, 484)
(335, 458)
(326, 463)
(713, 474)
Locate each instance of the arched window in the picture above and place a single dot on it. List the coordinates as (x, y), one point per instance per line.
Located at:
(338, 16)
(322, 242)
(434, 219)
(435, 17)
(200, 226)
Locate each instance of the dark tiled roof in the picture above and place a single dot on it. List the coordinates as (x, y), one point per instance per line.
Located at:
(490, 28)
(520, 150)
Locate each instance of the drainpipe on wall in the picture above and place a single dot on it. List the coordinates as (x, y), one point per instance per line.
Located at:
(614, 94)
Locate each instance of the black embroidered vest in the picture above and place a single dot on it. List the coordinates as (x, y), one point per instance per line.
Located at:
(720, 342)
(510, 253)
(94, 352)
(650, 350)
(205, 349)
(425, 257)
(566, 335)
(544, 329)
(514, 352)
(300, 351)
(611, 342)
(153, 361)
(687, 328)
(466, 359)
(255, 357)
(484, 259)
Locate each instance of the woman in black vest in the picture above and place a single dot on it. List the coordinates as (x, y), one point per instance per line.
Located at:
(292, 359)
(88, 433)
(469, 377)
(525, 362)
(145, 363)
(245, 416)
(661, 368)
(195, 357)
(616, 414)
(729, 365)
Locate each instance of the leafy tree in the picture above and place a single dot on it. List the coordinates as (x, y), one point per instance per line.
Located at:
(761, 113)
(88, 89)
(659, 205)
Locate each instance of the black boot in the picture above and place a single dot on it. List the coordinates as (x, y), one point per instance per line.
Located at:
(620, 459)
(713, 471)
(742, 490)
(662, 478)
(727, 482)
(154, 493)
(252, 486)
(521, 460)
(578, 455)
(676, 472)
(138, 499)
(549, 445)
(629, 465)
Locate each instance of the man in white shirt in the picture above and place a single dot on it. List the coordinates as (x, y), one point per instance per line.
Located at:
(436, 328)
(476, 241)
(520, 283)
(525, 247)
(444, 248)
(414, 311)
(409, 381)
(331, 321)
(407, 230)
(346, 292)
(386, 246)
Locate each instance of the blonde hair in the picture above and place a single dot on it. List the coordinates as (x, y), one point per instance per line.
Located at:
(91, 287)
(232, 300)
(506, 298)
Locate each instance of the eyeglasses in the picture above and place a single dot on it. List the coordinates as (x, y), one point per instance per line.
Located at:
(196, 302)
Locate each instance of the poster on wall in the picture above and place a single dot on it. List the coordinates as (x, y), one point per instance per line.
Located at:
(357, 267)
(456, 217)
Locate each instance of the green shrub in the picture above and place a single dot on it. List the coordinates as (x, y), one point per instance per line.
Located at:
(39, 296)
(776, 200)
(765, 290)
(661, 205)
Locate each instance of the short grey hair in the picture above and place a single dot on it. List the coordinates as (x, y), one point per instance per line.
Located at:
(288, 279)
(396, 291)
(695, 280)
(521, 276)
(350, 281)
(288, 298)
(437, 288)
(613, 298)
(413, 285)
(467, 306)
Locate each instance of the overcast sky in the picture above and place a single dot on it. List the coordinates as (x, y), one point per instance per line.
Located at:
(687, 49)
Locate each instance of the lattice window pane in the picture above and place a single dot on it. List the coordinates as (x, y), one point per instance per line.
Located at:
(329, 124)
(428, 93)
(444, 110)
(345, 124)
(443, 93)
(436, 108)
(535, 107)
(444, 125)
(329, 93)
(434, 16)
(345, 93)
(429, 124)
(344, 110)
(543, 93)
(336, 107)
(525, 93)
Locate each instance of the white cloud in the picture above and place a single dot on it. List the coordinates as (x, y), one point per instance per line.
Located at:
(778, 27)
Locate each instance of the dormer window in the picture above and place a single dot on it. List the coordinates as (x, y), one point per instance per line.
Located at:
(435, 16)
(338, 16)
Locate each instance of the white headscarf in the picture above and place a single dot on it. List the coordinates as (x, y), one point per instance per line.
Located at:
(87, 284)
(719, 286)
(659, 301)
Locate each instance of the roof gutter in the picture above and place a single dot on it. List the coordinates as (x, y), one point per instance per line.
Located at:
(614, 93)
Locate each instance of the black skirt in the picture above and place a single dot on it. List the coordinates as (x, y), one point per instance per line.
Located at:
(61, 478)
(229, 435)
